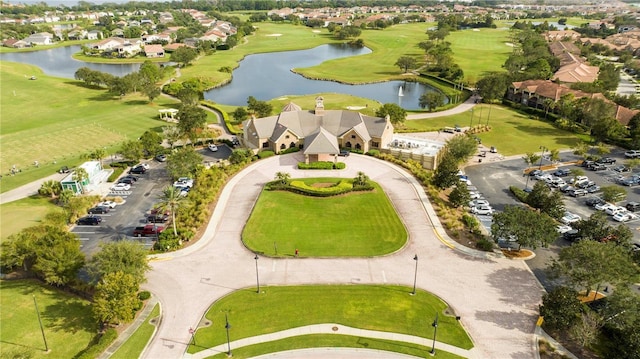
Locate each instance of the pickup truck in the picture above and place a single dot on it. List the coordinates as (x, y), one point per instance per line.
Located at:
(148, 230)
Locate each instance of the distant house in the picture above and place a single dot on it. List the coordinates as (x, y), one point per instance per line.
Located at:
(94, 35)
(153, 51)
(117, 33)
(77, 34)
(124, 47)
(15, 43)
(576, 72)
(40, 38)
(319, 134)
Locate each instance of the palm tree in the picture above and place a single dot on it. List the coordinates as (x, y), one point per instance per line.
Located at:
(50, 188)
(170, 200)
(554, 155)
(548, 104)
(529, 158)
(361, 179)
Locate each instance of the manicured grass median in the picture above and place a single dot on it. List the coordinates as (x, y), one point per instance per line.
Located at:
(67, 320)
(371, 307)
(134, 346)
(511, 132)
(355, 224)
(336, 341)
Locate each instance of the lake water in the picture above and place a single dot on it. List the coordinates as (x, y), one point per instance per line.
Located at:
(263, 76)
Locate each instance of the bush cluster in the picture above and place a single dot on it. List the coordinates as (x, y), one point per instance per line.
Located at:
(520, 194)
(321, 165)
(265, 154)
(484, 245)
(299, 187)
(144, 295)
(290, 150)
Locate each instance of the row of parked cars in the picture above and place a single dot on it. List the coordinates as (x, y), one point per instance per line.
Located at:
(575, 187)
(477, 205)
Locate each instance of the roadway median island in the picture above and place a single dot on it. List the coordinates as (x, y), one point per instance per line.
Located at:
(360, 310)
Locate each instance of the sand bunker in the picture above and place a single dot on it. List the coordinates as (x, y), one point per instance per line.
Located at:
(274, 35)
(355, 107)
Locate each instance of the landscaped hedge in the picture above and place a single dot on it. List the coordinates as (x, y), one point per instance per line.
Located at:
(265, 154)
(116, 173)
(290, 150)
(519, 193)
(321, 165)
(233, 127)
(98, 344)
(122, 164)
(299, 187)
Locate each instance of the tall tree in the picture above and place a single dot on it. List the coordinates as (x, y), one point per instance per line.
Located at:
(546, 200)
(131, 150)
(58, 256)
(396, 113)
(524, 226)
(191, 121)
(432, 100)
(446, 174)
(561, 308)
(151, 142)
(405, 63)
(115, 300)
(124, 256)
(184, 55)
(183, 162)
(460, 196)
(171, 200)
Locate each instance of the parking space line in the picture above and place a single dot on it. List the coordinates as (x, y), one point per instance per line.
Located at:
(85, 232)
(83, 239)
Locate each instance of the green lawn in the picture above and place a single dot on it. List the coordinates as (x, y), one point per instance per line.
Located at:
(373, 307)
(27, 212)
(134, 346)
(54, 121)
(479, 51)
(511, 132)
(67, 321)
(336, 341)
(355, 224)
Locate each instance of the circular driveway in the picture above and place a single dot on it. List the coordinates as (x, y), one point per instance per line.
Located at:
(496, 298)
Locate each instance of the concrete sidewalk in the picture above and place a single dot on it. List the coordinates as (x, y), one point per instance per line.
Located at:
(329, 328)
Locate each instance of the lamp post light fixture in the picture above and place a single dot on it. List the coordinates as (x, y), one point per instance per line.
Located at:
(257, 277)
(542, 156)
(471, 120)
(415, 275)
(227, 326)
(435, 332)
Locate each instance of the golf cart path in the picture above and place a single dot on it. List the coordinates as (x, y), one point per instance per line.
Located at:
(496, 298)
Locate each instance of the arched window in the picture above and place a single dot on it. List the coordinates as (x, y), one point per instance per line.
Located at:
(358, 147)
(283, 147)
(348, 145)
(292, 145)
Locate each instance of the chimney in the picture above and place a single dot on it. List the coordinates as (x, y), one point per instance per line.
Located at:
(319, 106)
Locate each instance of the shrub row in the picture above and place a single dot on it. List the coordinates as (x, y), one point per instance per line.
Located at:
(116, 173)
(321, 165)
(300, 187)
(520, 194)
(290, 150)
(122, 164)
(265, 154)
(98, 344)
(233, 128)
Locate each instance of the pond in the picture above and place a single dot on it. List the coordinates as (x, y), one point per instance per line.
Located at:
(268, 76)
(263, 76)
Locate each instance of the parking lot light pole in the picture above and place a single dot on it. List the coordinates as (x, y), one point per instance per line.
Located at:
(471, 120)
(435, 332)
(227, 326)
(415, 275)
(541, 156)
(257, 277)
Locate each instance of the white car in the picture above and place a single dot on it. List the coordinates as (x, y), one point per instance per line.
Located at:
(563, 228)
(612, 211)
(478, 202)
(110, 204)
(121, 187)
(543, 177)
(570, 218)
(624, 216)
(484, 210)
(604, 206)
(183, 182)
(213, 148)
(475, 195)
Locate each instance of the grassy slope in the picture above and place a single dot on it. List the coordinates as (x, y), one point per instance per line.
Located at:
(67, 321)
(512, 133)
(27, 212)
(368, 225)
(52, 119)
(479, 52)
(379, 307)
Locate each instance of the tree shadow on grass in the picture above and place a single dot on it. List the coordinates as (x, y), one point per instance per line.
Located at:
(68, 316)
(84, 85)
(509, 320)
(137, 102)
(105, 96)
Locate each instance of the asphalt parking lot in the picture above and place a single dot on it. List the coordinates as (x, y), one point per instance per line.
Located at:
(120, 222)
(493, 178)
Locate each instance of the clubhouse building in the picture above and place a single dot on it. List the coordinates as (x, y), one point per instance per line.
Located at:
(319, 134)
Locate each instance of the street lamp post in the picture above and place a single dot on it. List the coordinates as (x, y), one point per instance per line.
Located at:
(541, 156)
(471, 120)
(435, 332)
(257, 277)
(227, 326)
(415, 275)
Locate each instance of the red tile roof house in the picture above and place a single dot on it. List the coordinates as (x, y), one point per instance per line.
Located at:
(152, 51)
(533, 93)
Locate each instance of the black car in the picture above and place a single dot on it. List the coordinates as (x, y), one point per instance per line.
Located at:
(133, 178)
(90, 220)
(633, 206)
(535, 173)
(126, 180)
(344, 153)
(64, 169)
(593, 201)
(621, 168)
(157, 218)
(587, 163)
(138, 170)
(562, 172)
(607, 160)
(572, 235)
(99, 210)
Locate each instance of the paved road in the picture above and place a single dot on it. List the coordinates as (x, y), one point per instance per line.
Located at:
(496, 298)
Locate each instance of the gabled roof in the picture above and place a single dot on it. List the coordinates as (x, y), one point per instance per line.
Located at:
(291, 107)
(577, 72)
(321, 142)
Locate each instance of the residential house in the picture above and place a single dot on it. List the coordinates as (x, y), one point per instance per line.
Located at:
(213, 36)
(319, 133)
(15, 43)
(562, 35)
(576, 72)
(106, 44)
(77, 34)
(40, 38)
(117, 33)
(534, 93)
(152, 51)
(94, 35)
